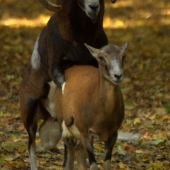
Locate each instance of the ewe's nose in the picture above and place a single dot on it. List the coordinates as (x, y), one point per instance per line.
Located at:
(118, 76)
(94, 7)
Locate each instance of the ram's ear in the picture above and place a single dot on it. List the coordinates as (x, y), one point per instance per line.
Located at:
(125, 46)
(92, 50)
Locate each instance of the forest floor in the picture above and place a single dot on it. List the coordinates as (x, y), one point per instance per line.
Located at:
(146, 85)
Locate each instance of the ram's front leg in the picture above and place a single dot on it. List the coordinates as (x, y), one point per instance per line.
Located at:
(109, 144)
(88, 146)
(58, 75)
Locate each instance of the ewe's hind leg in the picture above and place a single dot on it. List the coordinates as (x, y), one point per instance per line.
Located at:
(88, 146)
(69, 144)
(81, 157)
(108, 149)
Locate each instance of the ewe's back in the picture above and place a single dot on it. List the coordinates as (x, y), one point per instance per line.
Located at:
(81, 81)
(81, 78)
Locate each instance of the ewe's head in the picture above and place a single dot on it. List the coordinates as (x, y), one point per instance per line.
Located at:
(110, 59)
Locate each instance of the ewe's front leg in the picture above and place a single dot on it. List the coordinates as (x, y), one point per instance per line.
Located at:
(81, 157)
(69, 156)
(88, 146)
(109, 144)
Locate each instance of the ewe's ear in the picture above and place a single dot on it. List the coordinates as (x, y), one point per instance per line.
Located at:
(92, 50)
(124, 47)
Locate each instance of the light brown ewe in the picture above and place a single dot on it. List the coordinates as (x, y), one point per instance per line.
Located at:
(92, 105)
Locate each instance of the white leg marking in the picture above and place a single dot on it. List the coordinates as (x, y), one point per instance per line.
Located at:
(32, 158)
(35, 58)
(107, 165)
(63, 86)
(93, 166)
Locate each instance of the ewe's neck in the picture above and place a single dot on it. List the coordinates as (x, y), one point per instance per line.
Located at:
(107, 91)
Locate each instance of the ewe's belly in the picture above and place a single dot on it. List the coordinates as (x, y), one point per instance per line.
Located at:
(73, 131)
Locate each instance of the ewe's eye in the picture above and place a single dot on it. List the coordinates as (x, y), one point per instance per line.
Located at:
(101, 58)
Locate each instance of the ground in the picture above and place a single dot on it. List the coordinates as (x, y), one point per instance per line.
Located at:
(146, 85)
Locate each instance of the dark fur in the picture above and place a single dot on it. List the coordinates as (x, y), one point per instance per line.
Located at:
(63, 41)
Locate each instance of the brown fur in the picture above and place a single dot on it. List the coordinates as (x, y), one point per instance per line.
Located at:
(86, 100)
